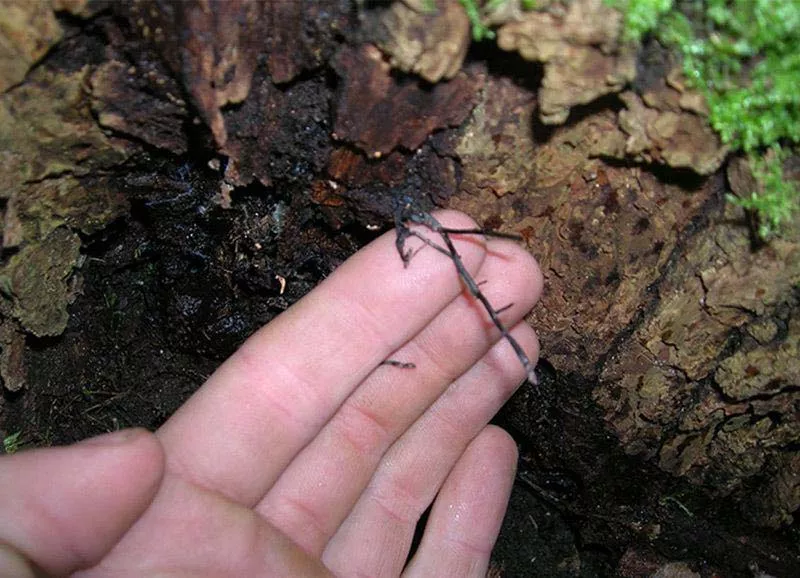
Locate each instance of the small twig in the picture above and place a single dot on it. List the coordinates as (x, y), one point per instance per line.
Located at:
(504, 308)
(487, 232)
(400, 364)
(406, 215)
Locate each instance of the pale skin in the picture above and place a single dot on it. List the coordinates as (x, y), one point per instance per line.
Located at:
(303, 455)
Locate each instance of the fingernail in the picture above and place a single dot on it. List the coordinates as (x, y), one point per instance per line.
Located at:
(116, 438)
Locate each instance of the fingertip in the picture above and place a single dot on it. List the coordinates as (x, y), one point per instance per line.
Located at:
(496, 441)
(130, 450)
(148, 459)
(516, 261)
(468, 512)
(509, 373)
(453, 219)
(147, 445)
(528, 339)
(494, 454)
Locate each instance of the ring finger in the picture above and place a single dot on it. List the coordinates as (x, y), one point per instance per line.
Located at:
(375, 538)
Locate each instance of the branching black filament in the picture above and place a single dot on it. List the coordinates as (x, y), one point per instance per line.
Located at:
(406, 215)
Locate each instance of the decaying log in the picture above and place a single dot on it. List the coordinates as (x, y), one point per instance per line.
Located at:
(378, 114)
(213, 47)
(655, 293)
(579, 45)
(427, 38)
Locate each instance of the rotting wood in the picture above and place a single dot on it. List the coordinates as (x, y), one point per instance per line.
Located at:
(653, 291)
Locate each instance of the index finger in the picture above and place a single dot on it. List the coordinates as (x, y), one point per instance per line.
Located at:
(261, 407)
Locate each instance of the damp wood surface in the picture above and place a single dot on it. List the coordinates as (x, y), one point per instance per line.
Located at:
(173, 177)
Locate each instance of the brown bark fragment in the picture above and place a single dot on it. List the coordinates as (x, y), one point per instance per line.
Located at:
(426, 38)
(46, 129)
(374, 186)
(36, 281)
(656, 129)
(211, 44)
(497, 146)
(12, 357)
(255, 123)
(377, 113)
(146, 106)
(28, 29)
(48, 137)
(214, 45)
(740, 177)
(720, 418)
(302, 35)
(323, 193)
(579, 48)
(602, 234)
(352, 169)
(83, 206)
(759, 370)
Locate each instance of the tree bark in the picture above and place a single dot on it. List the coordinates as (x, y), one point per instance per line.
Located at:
(663, 322)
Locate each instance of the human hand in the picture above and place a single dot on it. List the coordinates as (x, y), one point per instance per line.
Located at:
(303, 455)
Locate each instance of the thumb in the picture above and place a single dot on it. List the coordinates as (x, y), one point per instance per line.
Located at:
(63, 509)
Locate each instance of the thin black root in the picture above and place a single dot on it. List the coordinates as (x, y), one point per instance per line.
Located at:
(400, 364)
(407, 216)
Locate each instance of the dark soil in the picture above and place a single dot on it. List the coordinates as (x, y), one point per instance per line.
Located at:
(581, 507)
(167, 294)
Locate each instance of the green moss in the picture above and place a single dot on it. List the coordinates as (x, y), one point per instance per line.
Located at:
(747, 65)
(641, 16)
(474, 9)
(479, 30)
(778, 201)
(744, 55)
(11, 443)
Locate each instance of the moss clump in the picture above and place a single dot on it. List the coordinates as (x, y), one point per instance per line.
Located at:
(479, 30)
(475, 8)
(747, 63)
(744, 55)
(11, 443)
(776, 203)
(641, 16)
